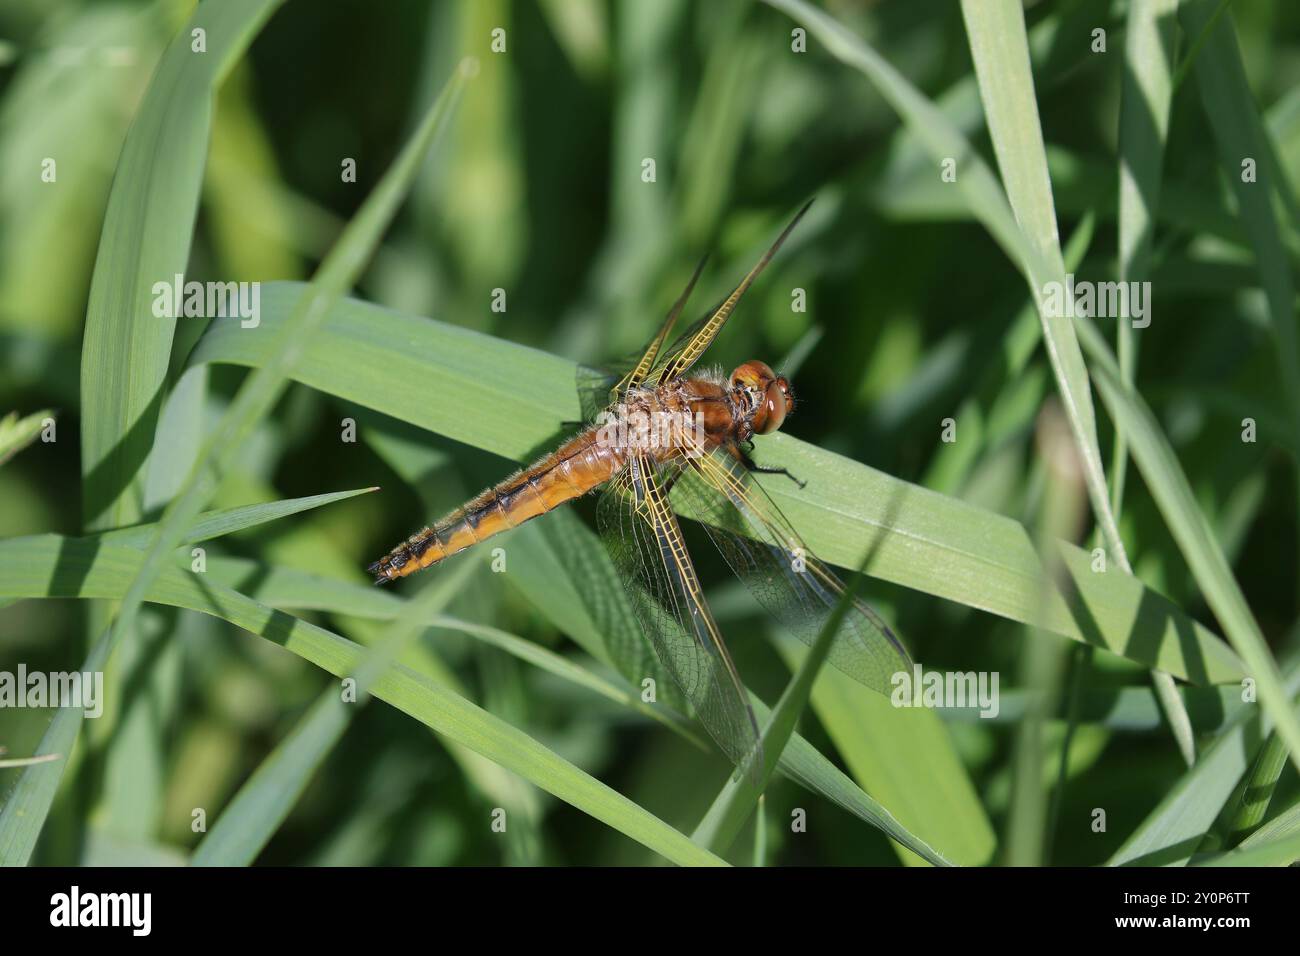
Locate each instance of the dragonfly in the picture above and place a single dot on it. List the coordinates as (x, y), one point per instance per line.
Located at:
(658, 440)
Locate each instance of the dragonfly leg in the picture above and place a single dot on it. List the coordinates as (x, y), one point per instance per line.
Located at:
(742, 455)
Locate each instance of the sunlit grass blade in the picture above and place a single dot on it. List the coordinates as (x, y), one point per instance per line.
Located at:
(215, 524)
(805, 764)
(1000, 50)
(1283, 851)
(1285, 823)
(939, 137)
(264, 801)
(50, 566)
(146, 239)
(7, 763)
(1260, 786)
(1150, 43)
(905, 757)
(1149, 49)
(17, 433)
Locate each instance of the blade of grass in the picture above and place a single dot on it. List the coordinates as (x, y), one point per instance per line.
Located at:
(1149, 51)
(905, 757)
(50, 566)
(215, 524)
(126, 350)
(16, 434)
(146, 239)
(1281, 852)
(1284, 824)
(1259, 789)
(1000, 49)
(1043, 660)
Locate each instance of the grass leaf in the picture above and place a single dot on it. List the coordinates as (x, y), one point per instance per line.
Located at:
(16, 434)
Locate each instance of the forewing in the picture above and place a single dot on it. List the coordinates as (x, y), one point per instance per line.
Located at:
(601, 386)
(702, 336)
(596, 383)
(646, 544)
(798, 589)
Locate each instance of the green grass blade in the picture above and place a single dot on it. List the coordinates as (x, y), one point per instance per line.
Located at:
(1259, 789)
(264, 801)
(1283, 824)
(1000, 49)
(932, 129)
(146, 239)
(215, 524)
(17, 433)
(1149, 48)
(1173, 831)
(51, 566)
(463, 384)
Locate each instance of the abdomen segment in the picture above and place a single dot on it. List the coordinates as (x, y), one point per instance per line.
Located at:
(577, 467)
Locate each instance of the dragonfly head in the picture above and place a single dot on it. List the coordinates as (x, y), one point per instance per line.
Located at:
(765, 396)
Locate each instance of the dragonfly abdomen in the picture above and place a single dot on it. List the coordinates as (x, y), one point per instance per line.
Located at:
(575, 468)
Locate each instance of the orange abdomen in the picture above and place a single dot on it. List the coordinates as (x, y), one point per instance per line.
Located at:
(575, 468)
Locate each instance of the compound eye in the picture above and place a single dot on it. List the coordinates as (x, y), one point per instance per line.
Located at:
(773, 410)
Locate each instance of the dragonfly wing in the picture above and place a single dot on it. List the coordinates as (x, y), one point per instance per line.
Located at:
(646, 544)
(790, 582)
(595, 384)
(703, 335)
(600, 386)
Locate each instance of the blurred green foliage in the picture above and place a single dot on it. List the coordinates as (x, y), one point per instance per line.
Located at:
(537, 189)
